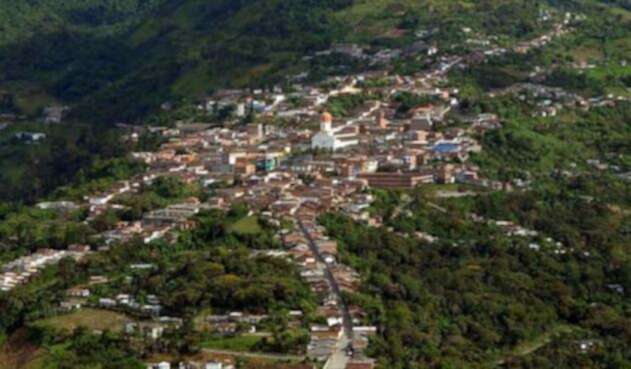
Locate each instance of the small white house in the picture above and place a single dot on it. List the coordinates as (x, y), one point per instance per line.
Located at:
(213, 365)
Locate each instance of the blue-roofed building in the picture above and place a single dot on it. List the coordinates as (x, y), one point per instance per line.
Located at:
(446, 148)
(449, 150)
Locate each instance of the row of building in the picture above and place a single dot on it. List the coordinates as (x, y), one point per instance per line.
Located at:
(21, 270)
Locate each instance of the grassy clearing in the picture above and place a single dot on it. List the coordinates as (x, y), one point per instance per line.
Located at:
(247, 225)
(609, 71)
(433, 188)
(587, 53)
(244, 343)
(94, 319)
(529, 347)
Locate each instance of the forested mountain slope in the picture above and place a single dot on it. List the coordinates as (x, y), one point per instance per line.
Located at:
(118, 60)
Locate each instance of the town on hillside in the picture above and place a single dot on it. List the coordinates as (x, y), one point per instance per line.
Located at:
(293, 155)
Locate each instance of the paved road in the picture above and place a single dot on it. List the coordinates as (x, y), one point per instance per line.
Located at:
(256, 355)
(346, 315)
(339, 358)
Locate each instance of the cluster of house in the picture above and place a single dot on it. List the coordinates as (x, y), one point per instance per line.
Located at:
(54, 114)
(352, 149)
(375, 142)
(237, 322)
(317, 257)
(154, 225)
(193, 365)
(151, 307)
(282, 195)
(537, 243)
(377, 56)
(213, 364)
(479, 43)
(560, 29)
(78, 297)
(550, 101)
(19, 271)
(158, 223)
(151, 327)
(296, 172)
(30, 137)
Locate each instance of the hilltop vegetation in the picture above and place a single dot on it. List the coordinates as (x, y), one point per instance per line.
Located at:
(26, 18)
(477, 298)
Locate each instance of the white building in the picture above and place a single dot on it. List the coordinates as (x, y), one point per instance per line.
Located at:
(330, 138)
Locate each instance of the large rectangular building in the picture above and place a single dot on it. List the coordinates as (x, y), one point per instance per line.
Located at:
(397, 180)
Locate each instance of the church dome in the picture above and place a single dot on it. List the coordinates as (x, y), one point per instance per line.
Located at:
(326, 117)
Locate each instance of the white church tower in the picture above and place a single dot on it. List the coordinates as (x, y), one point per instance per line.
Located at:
(326, 122)
(329, 138)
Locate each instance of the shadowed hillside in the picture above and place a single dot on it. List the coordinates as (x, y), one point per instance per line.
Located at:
(119, 60)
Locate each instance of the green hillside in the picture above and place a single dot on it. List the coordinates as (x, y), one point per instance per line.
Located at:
(21, 19)
(118, 60)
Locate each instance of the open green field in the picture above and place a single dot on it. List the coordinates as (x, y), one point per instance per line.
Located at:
(612, 70)
(93, 319)
(238, 343)
(530, 347)
(247, 225)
